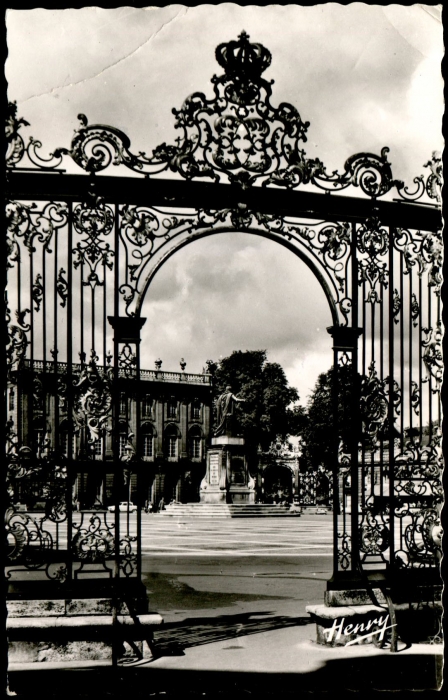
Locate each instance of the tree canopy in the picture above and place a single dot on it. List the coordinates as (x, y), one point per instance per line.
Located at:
(318, 440)
(270, 407)
(371, 414)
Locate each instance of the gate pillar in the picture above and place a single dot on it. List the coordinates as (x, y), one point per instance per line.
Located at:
(346, 431)
(126, 445)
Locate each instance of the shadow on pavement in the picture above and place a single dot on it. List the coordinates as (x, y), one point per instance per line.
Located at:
(166, 592)
(369, 674)
(193, 632)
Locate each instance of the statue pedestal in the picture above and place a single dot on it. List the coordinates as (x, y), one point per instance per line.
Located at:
(227, 479)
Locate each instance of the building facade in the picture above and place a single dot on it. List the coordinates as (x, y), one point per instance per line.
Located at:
(163, 431)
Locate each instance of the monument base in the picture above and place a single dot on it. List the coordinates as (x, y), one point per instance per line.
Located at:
(211, 495)
(227, 479)
(241, 495)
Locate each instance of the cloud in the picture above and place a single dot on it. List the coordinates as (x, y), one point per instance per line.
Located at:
(365, 76)
(229, 292)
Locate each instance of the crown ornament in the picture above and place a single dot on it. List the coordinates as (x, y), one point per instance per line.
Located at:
(243, 63)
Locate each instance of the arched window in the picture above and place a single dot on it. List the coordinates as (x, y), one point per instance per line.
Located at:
(147, 440)
(195, 443)
(39, 437)
(122, 439)
(67, 442)
(171, 439)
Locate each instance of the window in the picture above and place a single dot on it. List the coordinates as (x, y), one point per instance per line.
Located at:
(172, 446)
(172, 406)
(195, 443)
(122, 444)
(65, 444)
(123, 402)
(196, 410)
(11, 399)
(195, 447)
(38, 440)
(146, 406)
(147, 446)
(98, 446)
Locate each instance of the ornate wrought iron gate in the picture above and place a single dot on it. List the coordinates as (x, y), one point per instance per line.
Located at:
(83, 247)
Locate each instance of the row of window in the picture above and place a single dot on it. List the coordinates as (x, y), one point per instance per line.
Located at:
(147, 406)
(171, 445)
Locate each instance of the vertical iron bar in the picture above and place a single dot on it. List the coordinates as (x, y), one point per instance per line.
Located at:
(139, 453)
(381, 465)
(336, 501)
(81, 307)
(31, 370)
(54, 398)
(31, 311)
(71, 475)
(364, 325)
(391, 394)
(116, 406)
(410, 357)
(92, 315)
(429, 369)
(354, 418)
(402, 350)
(44, 309)
(439, 401)
(420, 368)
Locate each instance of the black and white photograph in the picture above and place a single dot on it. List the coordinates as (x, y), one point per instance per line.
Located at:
(224, 351)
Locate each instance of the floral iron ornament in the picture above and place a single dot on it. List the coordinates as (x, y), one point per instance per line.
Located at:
(236, 137)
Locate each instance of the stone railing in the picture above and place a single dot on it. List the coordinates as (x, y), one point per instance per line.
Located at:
(145, 374)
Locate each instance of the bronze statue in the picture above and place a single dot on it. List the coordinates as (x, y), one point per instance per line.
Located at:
(225, 404)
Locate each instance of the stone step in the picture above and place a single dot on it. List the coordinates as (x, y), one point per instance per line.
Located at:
(227, 510)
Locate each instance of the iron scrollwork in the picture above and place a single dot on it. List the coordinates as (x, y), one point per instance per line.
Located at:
(374, 406)
(373, 242)
(92, 400)
(17, 342)
(396, 306)
(374, 534)
(32, 225)
(94, 541)
(432, 354)
(419, 496)
(62, 287)
(422, 251)
(127, 361)
(237, 135)
(38, 291)
(94, 219)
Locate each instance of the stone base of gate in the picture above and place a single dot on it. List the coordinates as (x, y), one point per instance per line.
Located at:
(342, 625)
(77, 630)
(347, 625)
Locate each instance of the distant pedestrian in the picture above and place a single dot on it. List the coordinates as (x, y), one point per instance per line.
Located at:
(162, 504)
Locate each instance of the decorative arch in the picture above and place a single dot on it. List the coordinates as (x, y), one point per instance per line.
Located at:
(339, 305)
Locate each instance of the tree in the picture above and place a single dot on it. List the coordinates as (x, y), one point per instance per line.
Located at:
(318, 438)
(371, 414)
(270, 407)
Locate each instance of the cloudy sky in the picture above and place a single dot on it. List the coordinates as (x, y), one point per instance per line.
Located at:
(365, 76)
